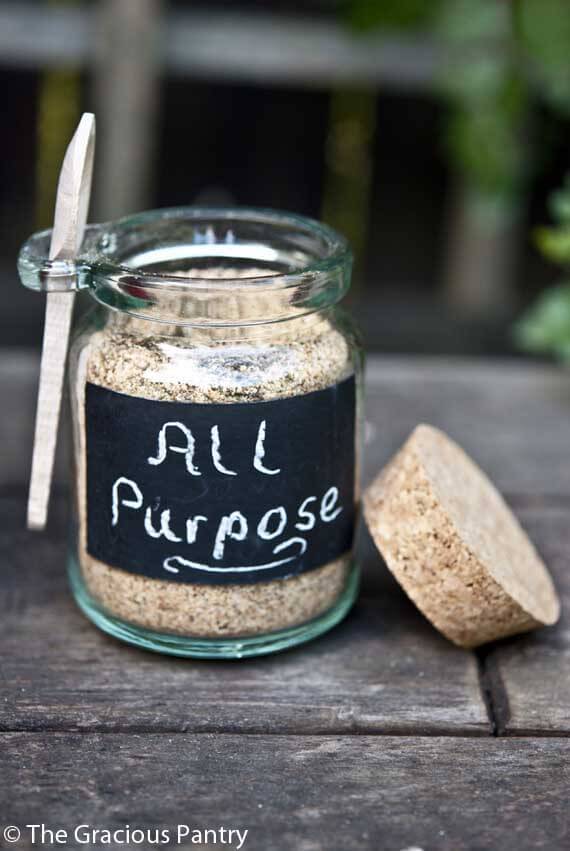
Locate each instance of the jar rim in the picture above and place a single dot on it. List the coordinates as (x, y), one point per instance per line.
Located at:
(337, 249)
(143, 264)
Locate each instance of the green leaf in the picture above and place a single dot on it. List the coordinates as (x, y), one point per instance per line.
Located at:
(545, 327)
(466, 22)
(554, 242)
(367, 15)
(486, 145)
(543, 29)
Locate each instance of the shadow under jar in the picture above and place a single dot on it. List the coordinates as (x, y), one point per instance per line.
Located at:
(214, 390)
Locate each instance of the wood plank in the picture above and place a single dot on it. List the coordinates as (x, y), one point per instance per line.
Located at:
(384, 670)
(257, 47)
(19, 371)
(531, 674)
(296, 793)
(512, 416)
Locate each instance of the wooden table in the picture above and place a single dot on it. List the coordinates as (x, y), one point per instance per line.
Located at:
(381, 735)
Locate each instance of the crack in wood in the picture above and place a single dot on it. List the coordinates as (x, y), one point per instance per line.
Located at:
(493, 690)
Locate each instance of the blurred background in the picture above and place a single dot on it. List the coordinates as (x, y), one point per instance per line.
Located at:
(433, 134)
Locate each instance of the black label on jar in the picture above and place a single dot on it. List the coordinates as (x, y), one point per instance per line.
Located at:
(220, 493)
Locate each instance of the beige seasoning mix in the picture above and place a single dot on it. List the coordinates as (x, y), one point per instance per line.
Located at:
(176, 363)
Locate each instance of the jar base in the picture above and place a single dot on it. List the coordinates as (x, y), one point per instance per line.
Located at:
(213, 648)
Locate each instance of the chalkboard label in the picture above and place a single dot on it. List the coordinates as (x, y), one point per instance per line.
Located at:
(220, 493)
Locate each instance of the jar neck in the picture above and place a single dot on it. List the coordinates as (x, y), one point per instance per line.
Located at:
(293, 327)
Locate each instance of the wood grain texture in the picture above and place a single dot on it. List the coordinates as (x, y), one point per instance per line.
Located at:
(19, 372)
(59, 311)
(511, 417)
(18, 388)
(384, 670)
(297, 793)
(97, 732)
(533, 672)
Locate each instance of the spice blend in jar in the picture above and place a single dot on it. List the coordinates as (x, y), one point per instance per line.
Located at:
(214, 395)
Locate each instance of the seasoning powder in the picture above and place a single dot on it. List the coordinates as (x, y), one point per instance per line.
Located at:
(145, 360)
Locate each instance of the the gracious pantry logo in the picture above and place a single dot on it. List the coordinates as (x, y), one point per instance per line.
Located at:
(86, 834)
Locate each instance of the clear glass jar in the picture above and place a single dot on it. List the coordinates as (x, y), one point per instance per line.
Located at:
(214, 391)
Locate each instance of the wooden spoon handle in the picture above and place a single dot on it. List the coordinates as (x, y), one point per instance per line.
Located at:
(72, 202)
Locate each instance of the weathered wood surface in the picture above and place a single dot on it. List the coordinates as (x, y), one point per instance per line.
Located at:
(297, 793)
(515, 420)
(533, 672)
(513, 417)
(383, 670)
(76, 703)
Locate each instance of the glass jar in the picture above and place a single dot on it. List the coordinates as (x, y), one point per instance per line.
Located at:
(214, 388)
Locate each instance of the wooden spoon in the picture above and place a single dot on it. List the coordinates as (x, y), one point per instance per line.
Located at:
(70, 218)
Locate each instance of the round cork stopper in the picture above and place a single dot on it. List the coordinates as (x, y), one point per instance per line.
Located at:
(455, 547)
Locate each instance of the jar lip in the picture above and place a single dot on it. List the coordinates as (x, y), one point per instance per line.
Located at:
(301, 266)
(336, 248)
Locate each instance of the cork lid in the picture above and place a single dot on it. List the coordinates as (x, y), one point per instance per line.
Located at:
(453, 544)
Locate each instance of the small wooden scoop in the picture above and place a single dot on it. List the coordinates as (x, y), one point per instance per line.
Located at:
(72, 202)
